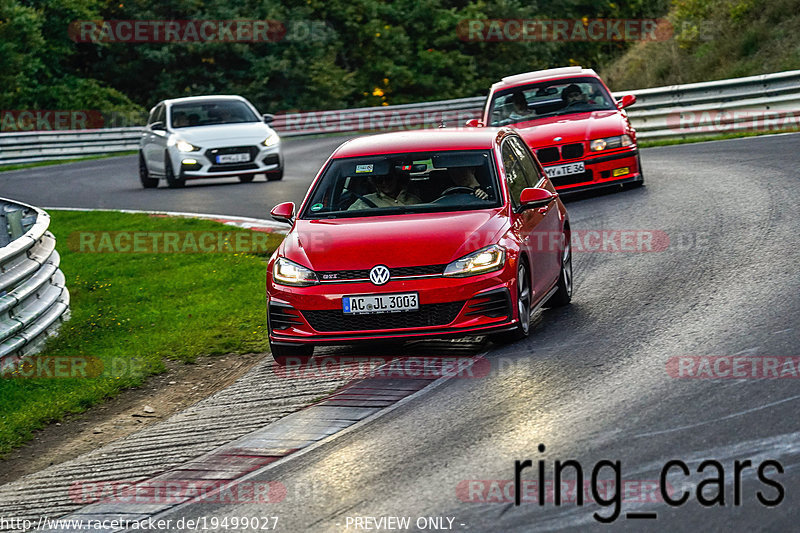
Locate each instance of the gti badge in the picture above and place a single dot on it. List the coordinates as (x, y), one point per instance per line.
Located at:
(379, 275)
(556, 139)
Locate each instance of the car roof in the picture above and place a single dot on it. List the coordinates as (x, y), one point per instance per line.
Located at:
(427, 140)
(541, 75)
(189, 99)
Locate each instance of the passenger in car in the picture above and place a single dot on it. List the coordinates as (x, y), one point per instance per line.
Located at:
(519, 110)
(390, 190)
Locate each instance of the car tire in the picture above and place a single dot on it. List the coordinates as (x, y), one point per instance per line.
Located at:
(563, 294)
(283, 353)
(173, 182)
(523, 301)
(247, 178)
(275, 175)
(144, 175)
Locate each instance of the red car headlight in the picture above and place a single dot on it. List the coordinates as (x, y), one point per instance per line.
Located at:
(598, 145)
(286, 272)
(485, 260)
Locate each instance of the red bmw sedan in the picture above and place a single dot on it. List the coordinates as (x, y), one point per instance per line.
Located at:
(405, 235)
(578, 130)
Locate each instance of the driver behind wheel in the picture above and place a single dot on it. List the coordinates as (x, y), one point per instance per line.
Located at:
(465, 177)
(390, 190)
(572, 94)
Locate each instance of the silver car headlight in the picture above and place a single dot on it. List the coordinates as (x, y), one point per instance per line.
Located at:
(184, 146)
(487, 259)
(287, 272)
(598, 145)
(272, 140)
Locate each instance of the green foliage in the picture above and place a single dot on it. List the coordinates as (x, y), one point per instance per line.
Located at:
(336, 53)
(714, 39)
(39, 68)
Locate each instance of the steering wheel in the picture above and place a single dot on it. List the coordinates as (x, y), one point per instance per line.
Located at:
(457, 190)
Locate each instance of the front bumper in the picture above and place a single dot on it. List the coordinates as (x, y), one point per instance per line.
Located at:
(202, 164)
(448, 307)
(600, 170)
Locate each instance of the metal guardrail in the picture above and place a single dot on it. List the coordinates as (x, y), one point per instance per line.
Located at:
(35, 146)
(659, 113)
(34, 299)
(701, 109)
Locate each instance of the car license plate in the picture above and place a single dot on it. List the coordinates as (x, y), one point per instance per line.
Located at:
(380, 303)
(233, 158)
(564, 170)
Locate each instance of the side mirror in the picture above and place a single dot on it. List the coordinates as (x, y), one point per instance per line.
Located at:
(474, 123)
(627, 100)
(534, 197)
(158, 126)
(283, 212)
(268, 118)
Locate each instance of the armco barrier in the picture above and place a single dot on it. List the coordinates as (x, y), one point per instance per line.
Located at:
(34, 146)
(33, 297)
(659, 113)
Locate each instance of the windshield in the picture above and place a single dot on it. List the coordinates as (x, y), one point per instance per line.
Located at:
(548, 99)
(212, 112)
(405, 183)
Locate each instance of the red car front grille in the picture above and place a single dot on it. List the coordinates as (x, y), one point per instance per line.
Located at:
(556, 153)
(548, 155)
(400, 272)
(572, 151)
(427, 315)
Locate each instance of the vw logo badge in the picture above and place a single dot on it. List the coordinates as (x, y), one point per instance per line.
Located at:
(556, 139)
(379, 275)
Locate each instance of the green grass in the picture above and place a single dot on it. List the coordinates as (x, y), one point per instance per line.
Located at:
(138, 308)
(63, 161)
(720, 137)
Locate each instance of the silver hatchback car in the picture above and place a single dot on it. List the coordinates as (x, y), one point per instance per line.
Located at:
(208, 137)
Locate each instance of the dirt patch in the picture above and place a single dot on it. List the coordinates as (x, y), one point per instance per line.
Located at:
(159, 397)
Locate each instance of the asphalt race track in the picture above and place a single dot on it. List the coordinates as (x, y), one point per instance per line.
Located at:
(114, 184)
(591, 383)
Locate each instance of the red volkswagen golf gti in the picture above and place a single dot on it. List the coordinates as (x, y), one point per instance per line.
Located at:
(407, 235)
(579, 131)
